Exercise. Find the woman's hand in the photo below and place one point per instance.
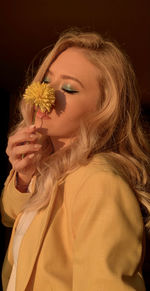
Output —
(22, 151)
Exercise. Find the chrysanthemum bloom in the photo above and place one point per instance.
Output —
(41, 95)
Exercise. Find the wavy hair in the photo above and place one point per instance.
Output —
(114, 130)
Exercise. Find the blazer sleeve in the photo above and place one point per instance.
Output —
(12, 201)
(108, 232)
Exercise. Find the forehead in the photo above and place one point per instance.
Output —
(74, 61)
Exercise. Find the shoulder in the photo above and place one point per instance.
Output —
(97, 176)
(99, 184)
(97, 166)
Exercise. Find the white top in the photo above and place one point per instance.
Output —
(22, 227)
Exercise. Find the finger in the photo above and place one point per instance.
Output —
(21, 164)
(31, 128)
(22, 151)
(20, 138)
(25, 149)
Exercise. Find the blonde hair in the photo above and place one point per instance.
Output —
(113, 131)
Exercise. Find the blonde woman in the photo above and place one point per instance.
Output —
(75, 195)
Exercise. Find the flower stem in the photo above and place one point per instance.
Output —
(34, 115)
(33, 121)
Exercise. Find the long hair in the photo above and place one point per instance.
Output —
(113, 131)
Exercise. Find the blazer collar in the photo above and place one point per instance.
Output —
(31, 243)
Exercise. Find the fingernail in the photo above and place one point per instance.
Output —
(37, 146)
(31, 156)
(32, 126)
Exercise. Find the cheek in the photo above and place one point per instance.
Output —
(67, 106)
(67, 122)
(79, 106)
(76, 105)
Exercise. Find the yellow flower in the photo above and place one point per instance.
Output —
(40, 94)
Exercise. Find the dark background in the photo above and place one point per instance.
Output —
(28, 26)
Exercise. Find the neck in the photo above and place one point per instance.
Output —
(60, 143)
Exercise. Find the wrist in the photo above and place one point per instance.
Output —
(22, 183)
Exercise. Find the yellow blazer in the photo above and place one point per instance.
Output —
(89, 237)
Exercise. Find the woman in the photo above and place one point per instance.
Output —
(79, 176)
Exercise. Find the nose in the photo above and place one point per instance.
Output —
(60, 103)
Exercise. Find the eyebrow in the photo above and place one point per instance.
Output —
(65, 77)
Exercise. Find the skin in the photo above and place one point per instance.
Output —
(75, 80)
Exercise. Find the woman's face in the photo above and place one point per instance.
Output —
(75, 80)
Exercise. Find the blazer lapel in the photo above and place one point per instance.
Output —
(30, 245)
(10, 247)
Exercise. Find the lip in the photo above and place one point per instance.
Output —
(42, 115)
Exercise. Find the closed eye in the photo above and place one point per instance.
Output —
(70, 91)
(66, 88)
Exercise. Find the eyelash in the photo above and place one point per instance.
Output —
(69, 92)
(65, 90)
